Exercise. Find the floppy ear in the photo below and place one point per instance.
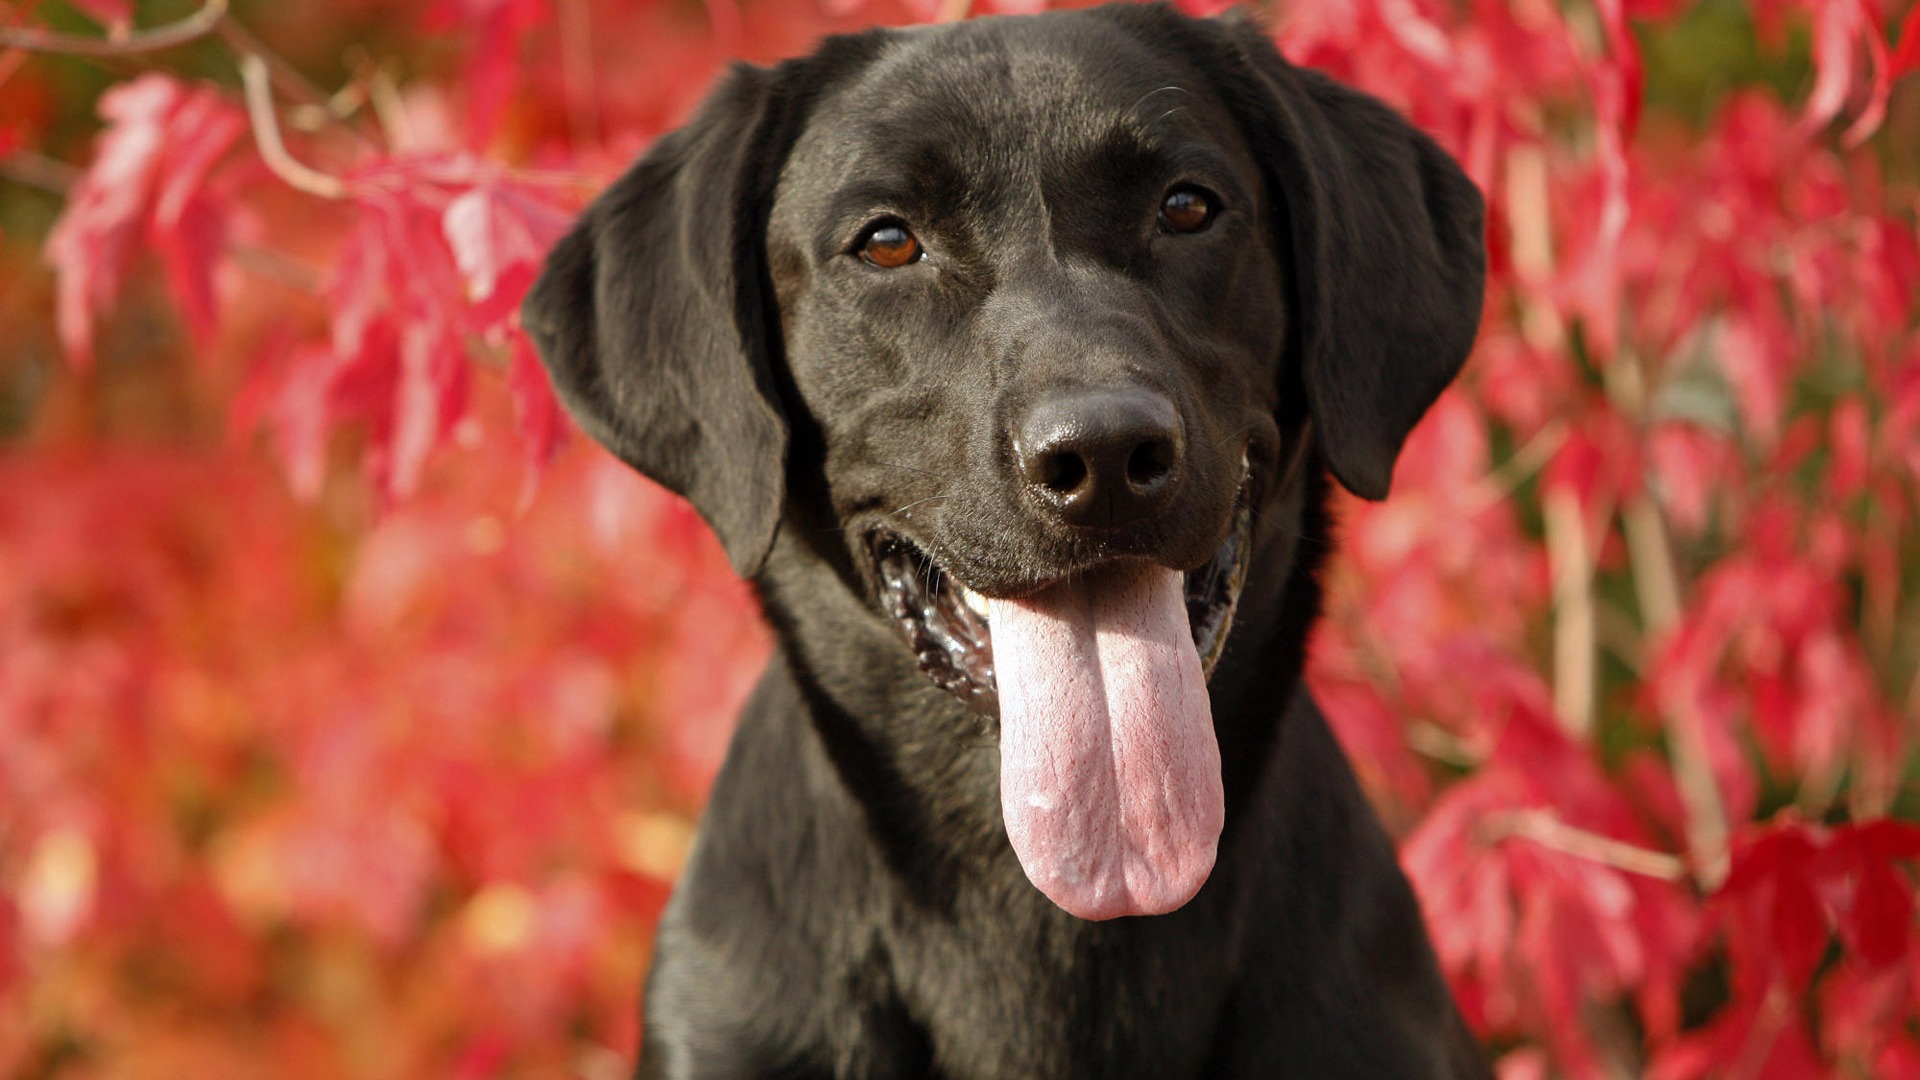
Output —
(1388, 255)
(651, 315)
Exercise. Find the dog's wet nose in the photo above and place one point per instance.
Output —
(1102, 458)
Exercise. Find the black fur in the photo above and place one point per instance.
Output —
(853, 908)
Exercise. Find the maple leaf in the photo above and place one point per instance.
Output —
(491, 72)
(1906, 58)
(537, 412)
(499, 233)
(1711, 305)
(146, 184)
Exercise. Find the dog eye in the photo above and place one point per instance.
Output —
(890, 245)
(1186, 210)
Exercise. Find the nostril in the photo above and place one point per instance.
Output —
(1099, 458)
(1063, 473)
(1150, 462)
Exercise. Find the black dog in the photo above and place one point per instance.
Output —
(1008, 359)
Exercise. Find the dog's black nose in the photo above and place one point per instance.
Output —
(1102, 458)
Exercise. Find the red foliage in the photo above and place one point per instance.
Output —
(310, 774)
(145, 187)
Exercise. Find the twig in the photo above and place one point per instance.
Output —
(266, 135)
(1543, 828)
(277, 267)
(1511, 473)
(1656, 583)
(11, 59)
(57, 178)
(1619, 634)
(1655, 580)
(50, 175)
(286, 77)
(195, 26)
(1436, 742)
(383, 94)
(1574, 631)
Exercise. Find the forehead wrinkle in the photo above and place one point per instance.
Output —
(996, 112)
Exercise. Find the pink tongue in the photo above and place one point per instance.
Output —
(1109, 772)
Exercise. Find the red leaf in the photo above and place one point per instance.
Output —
(492, 66)
(536, 412)
(1907, 57)
(398, 312)
(1840, 29)
(1880, 921)
(144, 184)
(92, 243)
(499, 234)
(431, 396)
(1871, 898)
(1901, 1059)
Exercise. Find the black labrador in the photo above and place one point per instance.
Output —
(1008, 359)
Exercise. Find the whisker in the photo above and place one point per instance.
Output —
(902, 510)
(1161, 90)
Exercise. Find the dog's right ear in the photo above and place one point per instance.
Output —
(651, 315)
(1385, 241)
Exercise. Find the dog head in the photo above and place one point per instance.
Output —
(1055, 301)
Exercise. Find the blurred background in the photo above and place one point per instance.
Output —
(355, 715)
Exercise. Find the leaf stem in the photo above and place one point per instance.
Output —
(1501, 481)
(266, 135)
(1543, 828)
(286, 77)
(39, 171)
(1571, 563)
(1656, 583)
(191, 28)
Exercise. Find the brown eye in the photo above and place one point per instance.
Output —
(1186, 210)
(890, 246)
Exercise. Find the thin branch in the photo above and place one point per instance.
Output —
(1431, 740)
(383, 95)
(1571, 563)
(286, 78)
(195, 26)
(1511, 473)
(1548, 831)
(39, 171)
(1656, 583)
(57, 178)
(277, 267)
(11, 59)
(552, 178)
(266, 135)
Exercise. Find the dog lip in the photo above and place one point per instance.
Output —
(947, 625)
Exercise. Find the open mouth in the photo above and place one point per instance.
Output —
(948, 628)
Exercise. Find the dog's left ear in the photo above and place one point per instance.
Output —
(1388, 254)
(652, 315)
